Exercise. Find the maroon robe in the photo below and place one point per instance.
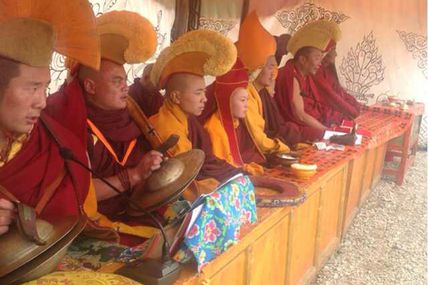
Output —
(329, 86)
(39, 163)
(247, 148)
(149, 100)
(275, 126)
(213, 167)
(314, 104)
(68, 106)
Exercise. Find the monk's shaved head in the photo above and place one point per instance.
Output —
(181, 82)
(8, 70)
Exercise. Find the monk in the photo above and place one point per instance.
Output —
(327, 82)
(256, 48)
(298, 98)
(185, 99)
(118, 150)
(32, 168)
(231, 138)
(145, 94)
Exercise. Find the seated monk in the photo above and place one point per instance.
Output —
(298, 98)
(32, 169)
(117, 148)
(231, 139)
(180, 70)
(257, 49)
(328, 84)
(145, 94)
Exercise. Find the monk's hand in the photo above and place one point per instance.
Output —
(7, 215)
(148, 163)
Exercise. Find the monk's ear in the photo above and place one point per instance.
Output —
(175, 97)
(89, 86)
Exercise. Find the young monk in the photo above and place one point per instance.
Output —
(117, 148)
(327, 82)
(298, 98)
(145, 94)
(256, 48)
(31, 166)
(180, 70)
(232, 141)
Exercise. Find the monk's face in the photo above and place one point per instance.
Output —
(108, 88)
(239, 103)
(23, 99)
(190, 93)
(268, 73)
(311, 61)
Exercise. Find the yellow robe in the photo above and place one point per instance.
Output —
(172, 120)
(220, 142)
(256, 124)
(109, 229)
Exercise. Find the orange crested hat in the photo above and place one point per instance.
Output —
(200, 52)
(33, 29)
(320, 34)
(255, 43)
(126, 37)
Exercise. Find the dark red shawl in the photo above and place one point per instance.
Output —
(39, 163)
(149, 100)
(275, 126)
(328, 84)
(314, 104)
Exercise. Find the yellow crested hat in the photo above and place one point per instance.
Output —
(318, 34)
(200, 52)
(255, 44)
(32, 29)
(126, 37)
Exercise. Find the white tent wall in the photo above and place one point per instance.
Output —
(383, 50)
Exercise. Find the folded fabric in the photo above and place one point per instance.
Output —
(218, 225)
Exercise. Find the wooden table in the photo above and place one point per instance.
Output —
(404, 147)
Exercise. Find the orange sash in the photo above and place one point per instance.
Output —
(103, 139)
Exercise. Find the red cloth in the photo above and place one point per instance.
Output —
(67, 106)
(328, 85)
(39, 163)
(213, 167)
(149, 100)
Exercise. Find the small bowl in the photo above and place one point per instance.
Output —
(284, 159)
(303, 171)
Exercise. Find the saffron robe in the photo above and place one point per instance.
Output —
(328, 84)
(250, 155)
(39, 163)
(172, 120)
(256, 124)
(314, 105)
(148, 100)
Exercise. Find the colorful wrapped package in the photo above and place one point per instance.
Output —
(219, 222)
